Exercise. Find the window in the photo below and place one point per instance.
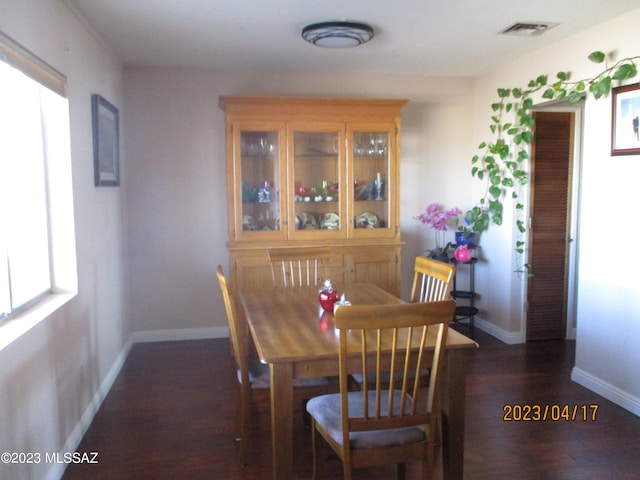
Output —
(35, 186)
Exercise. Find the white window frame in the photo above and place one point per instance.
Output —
(59, 197)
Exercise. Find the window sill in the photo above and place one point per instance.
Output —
(18, 325)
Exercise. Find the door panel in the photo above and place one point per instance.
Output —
(552, 151)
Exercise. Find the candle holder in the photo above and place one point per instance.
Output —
(377, 189)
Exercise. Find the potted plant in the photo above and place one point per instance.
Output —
(436, 217)
(465, 234)
(501, 162)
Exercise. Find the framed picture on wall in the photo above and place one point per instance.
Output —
(625, 124)
(106, 142)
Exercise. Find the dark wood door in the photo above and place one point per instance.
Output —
(552, 153)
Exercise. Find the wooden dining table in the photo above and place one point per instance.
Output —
(297, 339)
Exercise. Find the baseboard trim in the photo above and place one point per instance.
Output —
(75, 437)
(605, 389)
(180, 334)
(509, 338)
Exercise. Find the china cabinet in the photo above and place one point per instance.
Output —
(314, 171)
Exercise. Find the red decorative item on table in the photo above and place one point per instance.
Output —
(328, 296)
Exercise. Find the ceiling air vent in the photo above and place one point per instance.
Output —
(528, 29)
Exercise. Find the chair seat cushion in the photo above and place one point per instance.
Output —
(260, 380)
(326, 411)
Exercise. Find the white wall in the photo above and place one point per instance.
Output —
(50, 376)
(608, 305)
(176, 191)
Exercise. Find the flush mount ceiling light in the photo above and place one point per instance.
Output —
(337, 34)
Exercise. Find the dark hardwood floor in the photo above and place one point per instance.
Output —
(171, 415)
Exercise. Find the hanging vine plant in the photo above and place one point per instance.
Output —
(501, 163)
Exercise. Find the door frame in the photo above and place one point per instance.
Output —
(574, 212)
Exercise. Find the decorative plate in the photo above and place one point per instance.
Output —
(249, 223)
(330, 221)
(298, 222)
(367, 220)
(309, 222)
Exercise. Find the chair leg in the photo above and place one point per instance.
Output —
(317, 444)
(245, 425)
(402, 471)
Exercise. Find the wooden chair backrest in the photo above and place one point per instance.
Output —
(432, 280)
(296, 267)
(398, 332)
(237, 328)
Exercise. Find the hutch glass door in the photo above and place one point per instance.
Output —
(374, 181)
(260, 181)
(318, 210)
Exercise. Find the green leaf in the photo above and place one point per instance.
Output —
(527, 136)
(495, 179)
(520, 225)
(503, 92)
(562, 76)
(522, 155)
(480, 174)
(541, 80)
(574, 97)
(495, 207)
(509, 107)
(507, 182)
(519, 206)
(597, 57)
(497, 219)
(601, 88)
(475, 159)
(493, 128)
(561, 93)
(482, 223)
(527, 121)
(517, 93)
(482, 145)
(627, 70)
(495, 107)
(495, 191)
(474, 170)
(527, 103)
(548, 93)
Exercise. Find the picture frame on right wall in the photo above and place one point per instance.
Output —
(625, 120)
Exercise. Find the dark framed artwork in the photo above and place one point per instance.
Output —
(106, 142)
(625, 121)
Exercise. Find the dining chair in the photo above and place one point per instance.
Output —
(253, 375)
(432, 280)
(299, 266)
(383, 424)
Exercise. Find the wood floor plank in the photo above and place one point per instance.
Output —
(171, 415)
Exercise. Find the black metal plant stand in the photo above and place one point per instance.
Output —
(469, 311)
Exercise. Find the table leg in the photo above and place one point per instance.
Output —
(282, 420)
(452, 405)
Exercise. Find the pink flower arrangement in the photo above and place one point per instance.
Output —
(438, 218)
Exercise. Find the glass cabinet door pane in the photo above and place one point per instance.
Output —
(316, 178)
(371, 175)
(260, 178)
